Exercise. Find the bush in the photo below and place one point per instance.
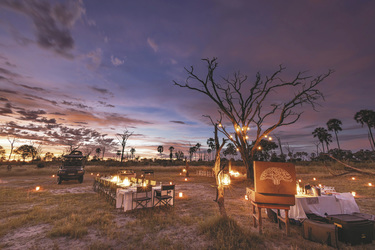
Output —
(40, 165)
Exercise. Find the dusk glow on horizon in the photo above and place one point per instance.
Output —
(80, 72)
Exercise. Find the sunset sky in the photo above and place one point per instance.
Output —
(88, 69)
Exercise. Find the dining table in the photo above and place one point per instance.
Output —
(336, 203)
(124, 197)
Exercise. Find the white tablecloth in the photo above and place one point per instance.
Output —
(343, 203)
(124, 197)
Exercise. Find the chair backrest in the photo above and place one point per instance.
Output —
(167, 187)
(144, 189)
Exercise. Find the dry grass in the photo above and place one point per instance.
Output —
(72, 216)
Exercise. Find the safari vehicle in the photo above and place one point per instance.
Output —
(72, 167)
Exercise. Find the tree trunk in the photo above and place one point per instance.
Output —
(220, 201)
(247, 160)
(371, 136)
(337, 139)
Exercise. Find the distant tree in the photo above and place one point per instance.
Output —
(179, 155)
(118, 153)
(97, 151)
(11, 141)
(171, 148)
(25, 151)
(132, 151)
(123, 138)
(246, 105)
(367, 117)
(48, 156)
(264, 149)
(230, 150)
(335, 125)
(198, 148)
(323, 136)
(209, 150)
(192, 150)
(160, 150)
(211, 144)
(2, 153)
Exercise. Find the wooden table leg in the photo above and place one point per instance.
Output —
(254, 216)
(287, 222)
(260, 219)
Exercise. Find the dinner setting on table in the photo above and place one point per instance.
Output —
(127, 192)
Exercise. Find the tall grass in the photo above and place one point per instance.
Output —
(227, 234)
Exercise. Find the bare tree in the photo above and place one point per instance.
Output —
(123, 138)
(246, 105)
(11, 141)
(219, 174)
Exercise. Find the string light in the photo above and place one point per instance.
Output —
(270, 138)
(260, 148)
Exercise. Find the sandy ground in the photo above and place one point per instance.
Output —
(34, 237)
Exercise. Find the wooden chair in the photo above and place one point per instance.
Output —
(164, 196)
(141, 197)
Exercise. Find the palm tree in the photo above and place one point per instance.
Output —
(160, 149)
(323, 136)
(367, 117)
(198, 147)
(171, 148)
(335, 125)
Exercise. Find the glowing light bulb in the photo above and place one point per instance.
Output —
(270, 138)
(353, 178)
(180, 194)
(354, 193)
(299, 180)
(370, 184)
(37, 188)
(314, 179)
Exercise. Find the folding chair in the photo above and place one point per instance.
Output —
(164, 196)
(141, 197)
